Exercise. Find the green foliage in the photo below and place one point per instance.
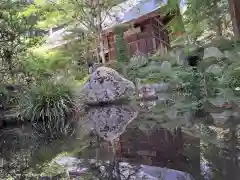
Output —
(40, 65)
(15, 36)
(45, 64)
(224, 44)
(121, 46)
(3, 90)
(118, 66)
(206, 16)
(202, 20)
(176, 24)
(192, 90)
(83, 15)
(50, 102)
(150, 70)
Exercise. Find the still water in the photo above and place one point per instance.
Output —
(144, 140)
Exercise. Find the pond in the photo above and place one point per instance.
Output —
(124, 142)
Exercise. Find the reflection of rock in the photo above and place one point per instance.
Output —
(153, 173)
(76, 168)
(107, 85)
(111, 121)
(141, 172)
(212, 52)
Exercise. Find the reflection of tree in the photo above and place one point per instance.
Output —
(191, 161)
(223, 161)
(26, 155)
(16, 151)
(230, 154)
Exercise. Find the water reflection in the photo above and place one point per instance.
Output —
(108, 139)
(111, 121)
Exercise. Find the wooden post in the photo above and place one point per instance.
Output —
(146, 47)
(153, 37)
(137, 43)
(154, 43)
(161, 48)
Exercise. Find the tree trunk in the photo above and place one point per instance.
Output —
(97, 150)
(219, 28)
(233, 155)
(115, 161)
(101, 47)
(99, 29)
(234, 9)
(179, 14)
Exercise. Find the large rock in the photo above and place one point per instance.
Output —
(212, 52)
(106, 85)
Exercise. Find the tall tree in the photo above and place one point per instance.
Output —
(206, 16)
(88, 14)
(234, 9)
(15, 33)
(176, 24)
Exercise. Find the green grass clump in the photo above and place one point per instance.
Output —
(49, 102)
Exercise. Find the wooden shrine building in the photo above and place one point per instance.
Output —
(146, 34)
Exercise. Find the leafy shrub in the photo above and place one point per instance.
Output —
(231, 80)
(160, 58)
(137, 63)
(3, 90)
(8, 95)
(138, 60)
(217, 73)
(224, 44)
(44, 65)
(50, 102)
(122, 55)
(149, 70)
